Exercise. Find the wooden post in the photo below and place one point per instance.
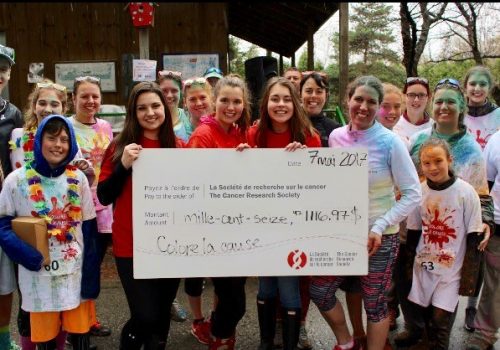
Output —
(268, 53)
(293, 61)
(343, 50)
(144, 43)
(310, 47)
(281, 65)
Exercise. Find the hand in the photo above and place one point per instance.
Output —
(482, 245)
(292, 146)
(130, 154)
(242, 146)
(374, 242)
(81, 164)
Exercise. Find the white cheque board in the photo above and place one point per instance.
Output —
(260, 212)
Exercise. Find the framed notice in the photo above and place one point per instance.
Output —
(67, 72)
(190, 65)
(260, 212)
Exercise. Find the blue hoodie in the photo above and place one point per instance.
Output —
(39, 163)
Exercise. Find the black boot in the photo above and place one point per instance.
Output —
(440, 326)
(291, 328)
(80, 341)
(48, 345)
(130, 338)
(266, 310)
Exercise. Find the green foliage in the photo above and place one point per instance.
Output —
(302, 64)
(371, 35)
(434, 72)
(237, 56)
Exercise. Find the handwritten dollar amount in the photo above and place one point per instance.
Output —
(350, 215)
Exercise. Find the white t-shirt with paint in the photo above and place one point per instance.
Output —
(56, 288)
(492, 158)
(483, 127)
(445, 218)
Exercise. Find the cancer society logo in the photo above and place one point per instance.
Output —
(297, 259)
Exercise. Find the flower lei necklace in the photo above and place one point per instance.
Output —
(27, 142)
(40, 204)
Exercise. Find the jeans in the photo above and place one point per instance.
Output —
(287, 286)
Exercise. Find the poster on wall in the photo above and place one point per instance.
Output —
(190, 65)
(67, 72)
(35, 73)
(144, 70)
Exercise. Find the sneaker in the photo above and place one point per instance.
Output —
(475, 343)
(355, 346)
(278, 335)
(304, 342)
(222, 344)
(177, 312)
(14, 346)
(393, 314)
(98, 330)
(200, 329)
(407, 338)
(470, 314)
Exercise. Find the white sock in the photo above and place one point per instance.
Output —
(347, 345)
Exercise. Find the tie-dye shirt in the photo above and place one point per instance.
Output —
(93, 141)
(468, 162)
(389, 165)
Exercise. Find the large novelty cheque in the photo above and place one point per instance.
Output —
(260, 212)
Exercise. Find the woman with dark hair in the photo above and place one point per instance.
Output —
(314, 93)
(147, 125)
(390, 167)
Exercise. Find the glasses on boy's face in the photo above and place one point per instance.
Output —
(56, 86)
(412, 95)
(450, 82)
(88, 78)
(169, 73)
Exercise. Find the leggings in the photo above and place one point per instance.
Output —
(374, 285)
(149, 301)
(193, 286)
(231, 306)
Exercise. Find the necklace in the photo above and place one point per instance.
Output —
(61, 222)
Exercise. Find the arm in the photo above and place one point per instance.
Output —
(406, 179)
(112, 179)
(16, 249)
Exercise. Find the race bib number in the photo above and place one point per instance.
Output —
(435, 261)
(64, 259)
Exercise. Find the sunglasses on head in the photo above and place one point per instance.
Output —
(310, 72)
(449, 82)
(89, 78)
(170, 73)
(59, 87)
(416, 80)
(213, 70)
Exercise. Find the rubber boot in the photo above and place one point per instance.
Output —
(79, 341)
(291, 328)
(48, 345)
(153, 342)
(266, 311)
(440, 326)
(129, 338)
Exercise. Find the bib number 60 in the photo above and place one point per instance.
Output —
(54, 266)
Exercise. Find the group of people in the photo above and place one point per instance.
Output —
(434, 207)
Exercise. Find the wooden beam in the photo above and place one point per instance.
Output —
(310, 46)
(343, 50)
(293, 61)
(143, 43)
(281, 66)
